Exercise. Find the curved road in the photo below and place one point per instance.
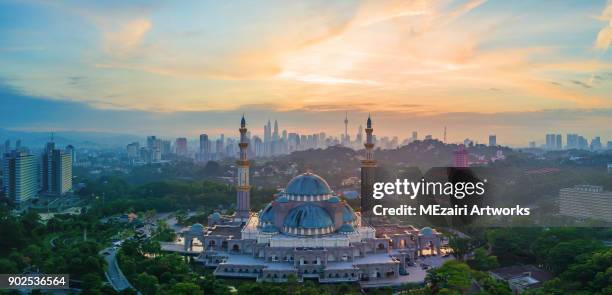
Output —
(114, 275)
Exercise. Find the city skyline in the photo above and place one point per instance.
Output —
(159, 68)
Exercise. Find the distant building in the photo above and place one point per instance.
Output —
(460, 157)
(559, 142)
(586, 201)
(554, 142)
(204, 154)
(521, 278)
(492, 140)
(532, 144)
(181, 146)
(70, 149)
(428, 137)
(596, 144)
(20, 176)
(609, 145)
(56, 171)
(132, 150)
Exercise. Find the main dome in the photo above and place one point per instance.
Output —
(308, 184)
(308, 219)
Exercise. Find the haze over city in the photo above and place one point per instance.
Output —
(517, 70)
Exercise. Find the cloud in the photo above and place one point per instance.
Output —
(580, 83)
(604, 37)
(126, 38)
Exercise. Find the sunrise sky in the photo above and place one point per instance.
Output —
(518, 69)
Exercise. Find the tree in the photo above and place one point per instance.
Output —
(482, 261)
(460, 246)
(454, 276)
(185, 289)
(146, 283)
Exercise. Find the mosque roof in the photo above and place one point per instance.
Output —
(308, 216)
(308, 184)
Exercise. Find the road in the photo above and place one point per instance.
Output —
(113, 274)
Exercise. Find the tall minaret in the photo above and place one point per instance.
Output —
(368, 174)
(243, 198)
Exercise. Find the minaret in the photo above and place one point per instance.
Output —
(368, 174)
(243, 197)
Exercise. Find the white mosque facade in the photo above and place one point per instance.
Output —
(308, 232)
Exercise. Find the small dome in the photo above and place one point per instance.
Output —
(282, 199)
(308, 184)
(346, 228)
(348, 214)
(267, 214)
(426, 231)
(215, 216)
(196, 228)
(333, 199)
(308, 216)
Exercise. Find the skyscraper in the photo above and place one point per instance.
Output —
(559, 142)
(492, 140)
(415, 136)
(56, 171)
(132, 150)
(204, 154)
(181, 146)
(20, 176)
(151, 142)
(243, 198)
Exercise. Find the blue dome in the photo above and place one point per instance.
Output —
(346, 228)
(282, 199)
(308, 184)
(308, 216)
(426, 231)
(347, 214)
(269, 228)
(267, 214)
(215, 216)
(197, 228)
(333, 199)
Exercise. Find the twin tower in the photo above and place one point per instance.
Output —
(243, 199)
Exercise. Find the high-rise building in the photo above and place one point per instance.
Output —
(559, 142)
(132, 150)
(204, 148)
(220, 147)
(415, 136)
(56, 171)
(461, 157)
(20, 176)
(596, 144)
(151, 142)
(70, 149)
(181, 146)
(609, 145)
(492, 140)
(554, 141)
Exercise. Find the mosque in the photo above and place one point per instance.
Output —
(307, 232)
